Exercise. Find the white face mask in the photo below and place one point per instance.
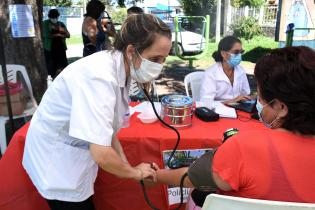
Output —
(147, 71)
(54, 20)
(259, 108)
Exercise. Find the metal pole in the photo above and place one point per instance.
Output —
(168, 12)
(191, 65)
(228, 21)
(289, 39)
(218, 22)
(290, 34)
(6, 87)
(277, 34)
(84, 6)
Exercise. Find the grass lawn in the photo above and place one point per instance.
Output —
(254, 49)
(74, 39)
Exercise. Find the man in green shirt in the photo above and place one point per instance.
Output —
(54, 34)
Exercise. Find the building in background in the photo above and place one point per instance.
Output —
(71, 16)
(302, 14)
(164, 9)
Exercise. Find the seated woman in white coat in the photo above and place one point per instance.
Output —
(226, 80)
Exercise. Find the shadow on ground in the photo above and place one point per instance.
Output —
(171, 81)
(254, 54)
(73, 59)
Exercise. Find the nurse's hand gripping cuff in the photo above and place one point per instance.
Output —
(200, 172)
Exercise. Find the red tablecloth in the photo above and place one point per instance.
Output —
(141, 142)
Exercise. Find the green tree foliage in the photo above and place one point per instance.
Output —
(107, 2)
(250, 3)
(119, 15)
(58, 3)
(197, 7)
(247, 28)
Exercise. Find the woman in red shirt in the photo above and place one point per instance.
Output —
(276, 163)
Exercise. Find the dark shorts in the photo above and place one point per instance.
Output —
(64, 205)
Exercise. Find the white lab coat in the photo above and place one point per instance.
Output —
(84, 104)
(216, 86)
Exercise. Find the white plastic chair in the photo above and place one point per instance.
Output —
(194, 80)
(222, 202)
(12, 72)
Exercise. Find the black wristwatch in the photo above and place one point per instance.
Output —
(228, 133)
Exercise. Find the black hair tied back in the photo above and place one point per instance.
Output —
(217, 56)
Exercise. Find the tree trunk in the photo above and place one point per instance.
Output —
(25, 51)
(227, 17)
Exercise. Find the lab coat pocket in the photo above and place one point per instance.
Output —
(68, 167)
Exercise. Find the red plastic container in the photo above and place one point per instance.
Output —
(18, 102)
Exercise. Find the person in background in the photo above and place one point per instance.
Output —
(226, 80)
(134, 10)
(276, 163)
(74, 129)
(54, 36)
(96, 28)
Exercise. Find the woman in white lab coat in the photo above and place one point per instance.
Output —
(73, 131)
(226, 80)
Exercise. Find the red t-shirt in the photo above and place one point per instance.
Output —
(269, 165)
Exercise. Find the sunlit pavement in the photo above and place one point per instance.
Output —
(74, 51)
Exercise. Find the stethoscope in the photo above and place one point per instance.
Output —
(227, 134)
(169, 159)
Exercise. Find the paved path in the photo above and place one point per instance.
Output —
(74, 51)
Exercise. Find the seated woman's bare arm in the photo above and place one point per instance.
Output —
(173, 176)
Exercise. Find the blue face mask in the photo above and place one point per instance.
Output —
(235, 59)
(260, 108)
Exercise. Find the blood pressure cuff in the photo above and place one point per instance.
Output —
(200, 172)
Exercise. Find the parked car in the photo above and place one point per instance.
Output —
(190, 43)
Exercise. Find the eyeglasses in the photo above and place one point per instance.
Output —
(235, 52)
